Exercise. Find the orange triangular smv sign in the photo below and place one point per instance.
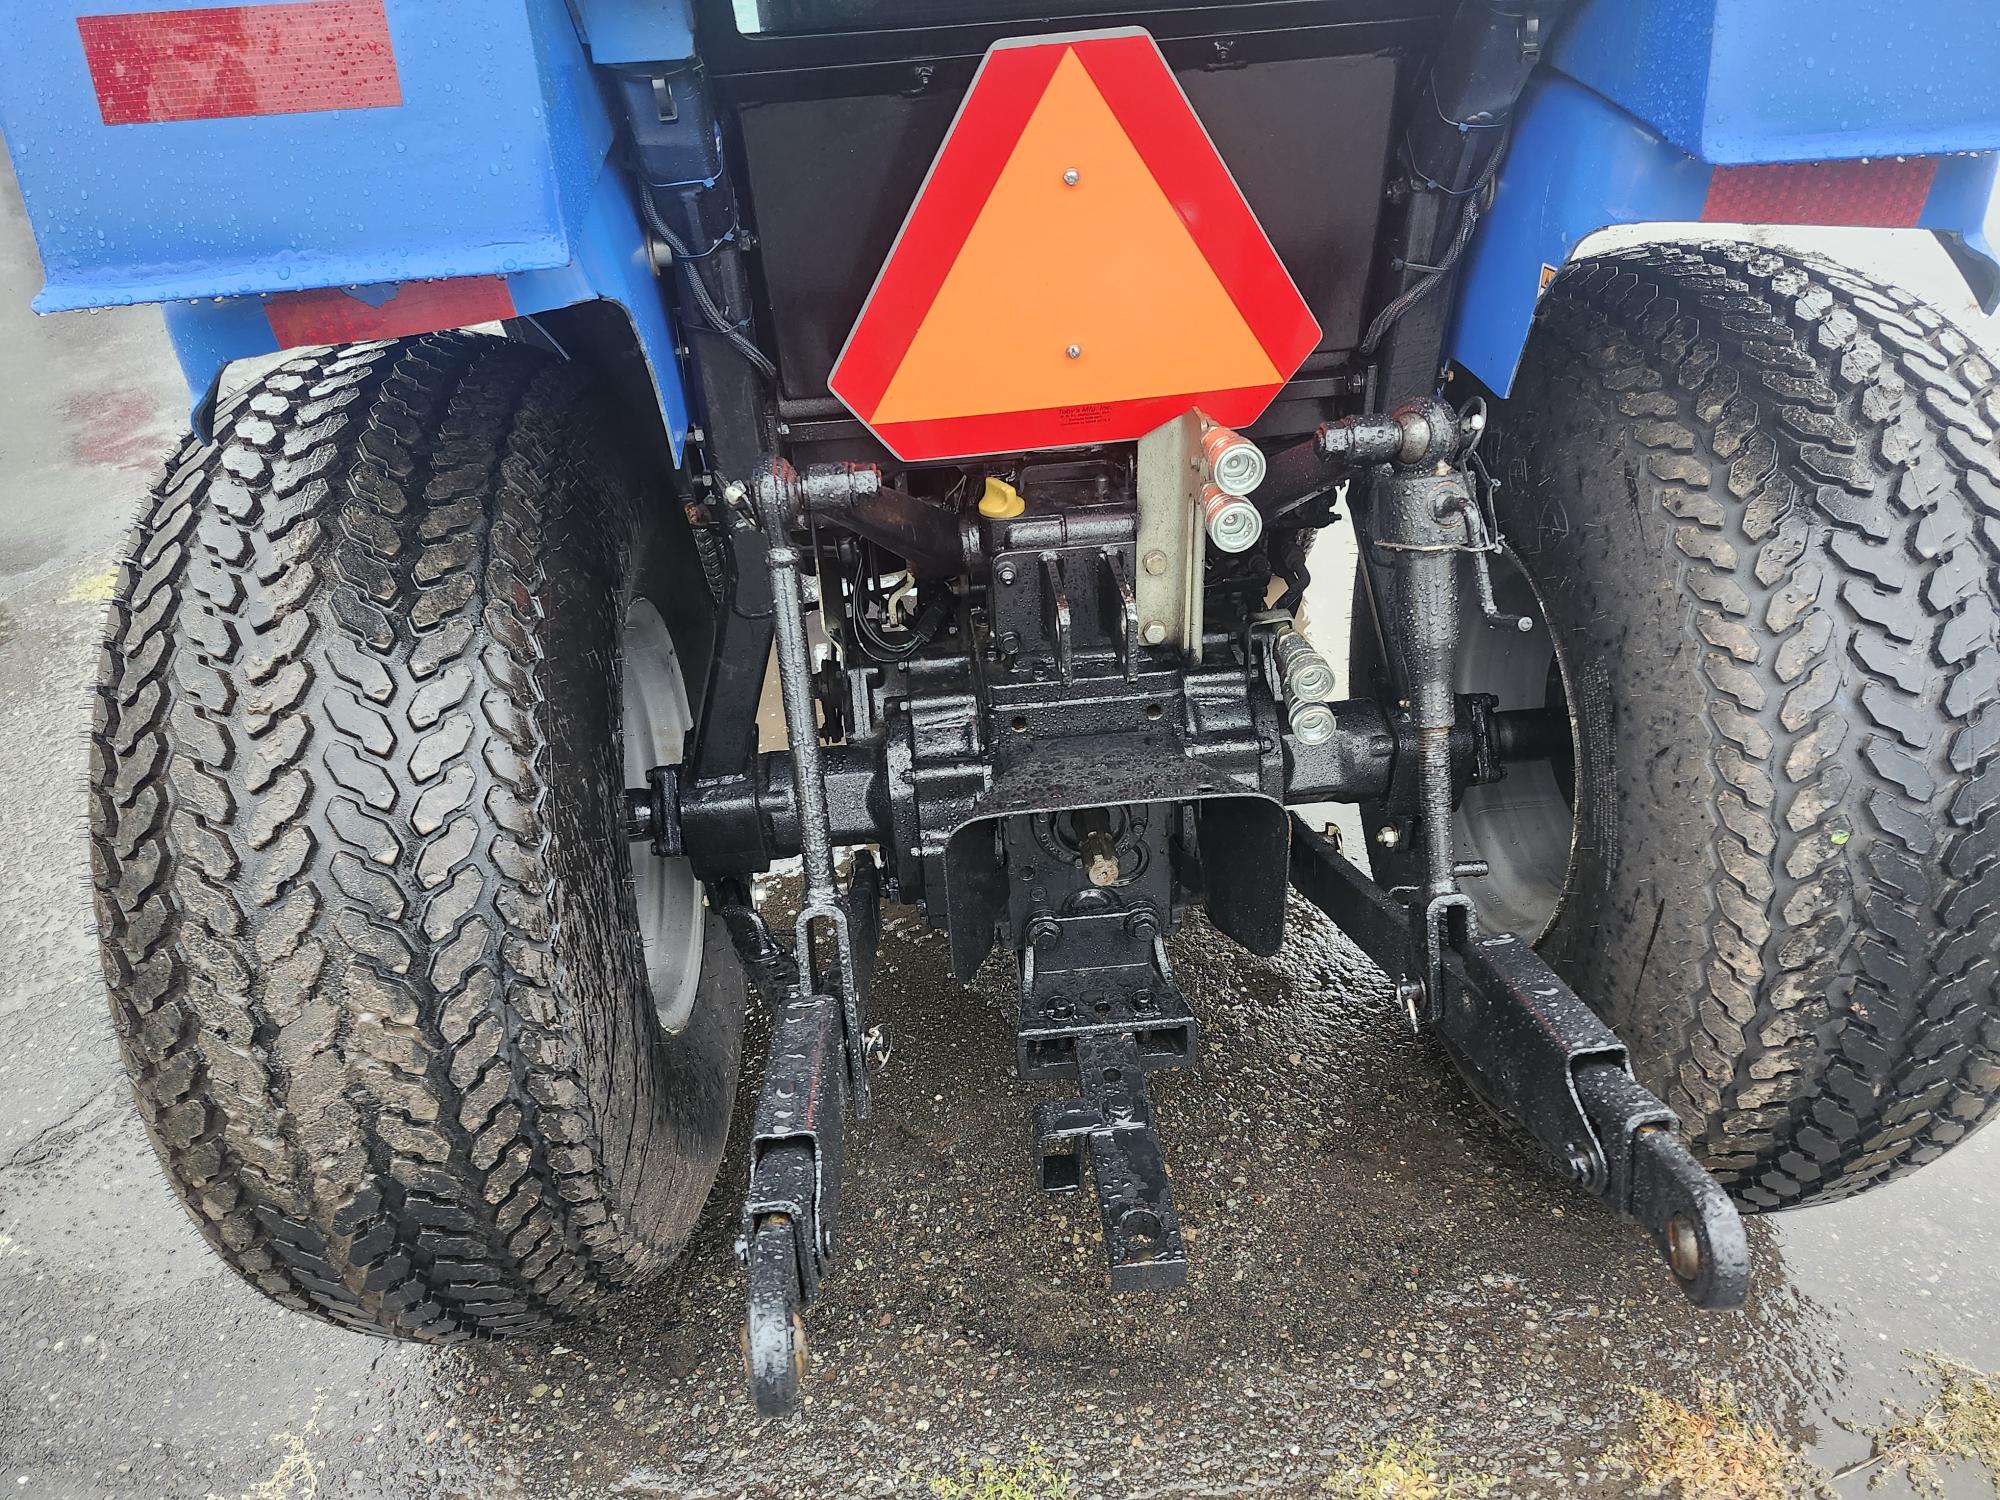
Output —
(1078, 268)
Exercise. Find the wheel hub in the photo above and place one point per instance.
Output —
(667, 895)
(1521, 826)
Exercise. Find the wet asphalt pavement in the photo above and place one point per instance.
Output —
(1370, 1252)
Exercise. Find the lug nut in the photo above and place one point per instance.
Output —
(1142, 922)
(1234, 524)
(1313, 723)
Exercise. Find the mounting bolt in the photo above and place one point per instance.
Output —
(1005, 572)
(1072, 177)
(638, 813)
(1388, 837)
(1142, 922)
(1156, 562)
(1155, 633)
(1042, 928)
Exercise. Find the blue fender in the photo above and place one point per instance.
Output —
(609, 261)
(1579, 163)
(485, 180)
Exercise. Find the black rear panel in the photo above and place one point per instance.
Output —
(835, 109)
(744, 37)
(831, 180)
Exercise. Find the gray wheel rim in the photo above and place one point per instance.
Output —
(1521, 825)
(667, 895)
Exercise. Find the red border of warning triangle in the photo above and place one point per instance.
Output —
(1132, 75)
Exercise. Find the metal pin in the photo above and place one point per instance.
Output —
(1072, 177)
(1074, 351)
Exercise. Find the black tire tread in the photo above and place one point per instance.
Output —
(1821, 453)
(320, 831)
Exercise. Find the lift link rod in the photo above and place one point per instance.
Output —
(819, 1053)
(779, 495)
(1539, 1056)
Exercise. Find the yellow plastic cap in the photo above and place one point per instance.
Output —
(1001, 502)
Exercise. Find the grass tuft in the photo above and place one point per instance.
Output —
(1958, 1422)
(1713, 1451)
(1034, 1478)
(1405, 1469)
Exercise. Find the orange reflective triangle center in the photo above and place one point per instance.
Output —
(1031, 283)
(1079, 268)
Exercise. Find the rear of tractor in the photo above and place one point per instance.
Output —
(993, 380)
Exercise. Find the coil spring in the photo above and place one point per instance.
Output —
(708, 546)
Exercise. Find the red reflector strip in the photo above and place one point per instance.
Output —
(1886, 194)
(1065, 426)
(332, 316)
(153, 66)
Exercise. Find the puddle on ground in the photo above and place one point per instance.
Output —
(1371, 1254)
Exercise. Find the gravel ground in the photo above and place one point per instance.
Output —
(1371, 1253)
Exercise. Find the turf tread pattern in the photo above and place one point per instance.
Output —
(1819, 456)
(354, 952)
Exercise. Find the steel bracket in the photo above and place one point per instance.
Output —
(1113, 1120)
(796, 1150)
(1103, 1006)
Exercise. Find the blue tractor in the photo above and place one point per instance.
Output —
(984, 370)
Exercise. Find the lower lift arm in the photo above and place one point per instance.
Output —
(1538, 1055)
(1524, 1041)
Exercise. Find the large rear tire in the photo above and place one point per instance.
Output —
(1756, 500)
(357, 819)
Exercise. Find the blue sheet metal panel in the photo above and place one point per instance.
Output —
(1965, 203)
(1739, 81)
(485, 167)
(1576, 164)
(637, 31)
(610, 264)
